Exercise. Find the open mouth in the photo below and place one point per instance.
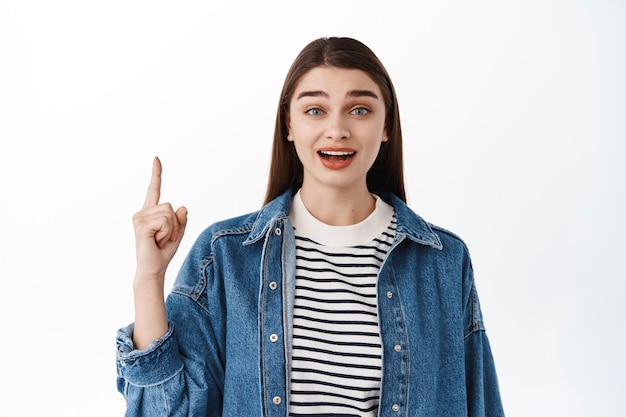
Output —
(336, 155)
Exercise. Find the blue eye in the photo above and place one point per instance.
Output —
(314, 112)
(360, 111)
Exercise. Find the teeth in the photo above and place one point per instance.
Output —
(336, 153)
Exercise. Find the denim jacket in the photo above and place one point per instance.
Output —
(228, 348)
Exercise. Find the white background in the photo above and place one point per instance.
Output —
(514, 123)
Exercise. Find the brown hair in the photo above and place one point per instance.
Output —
(387, 172)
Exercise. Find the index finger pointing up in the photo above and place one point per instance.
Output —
(154, 189)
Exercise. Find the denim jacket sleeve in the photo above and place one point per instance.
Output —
(181, 373)
(483, 395)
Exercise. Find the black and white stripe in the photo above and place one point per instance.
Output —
(337, 351)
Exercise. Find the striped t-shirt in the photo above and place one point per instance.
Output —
(337, 352)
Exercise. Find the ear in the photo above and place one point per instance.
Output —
(288, 123)
(385, 136)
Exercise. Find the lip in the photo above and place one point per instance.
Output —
(336, 158)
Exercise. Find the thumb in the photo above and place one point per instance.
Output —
(181, 215)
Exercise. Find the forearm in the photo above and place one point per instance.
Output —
(150, 316)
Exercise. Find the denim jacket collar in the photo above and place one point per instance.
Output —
(409, 223)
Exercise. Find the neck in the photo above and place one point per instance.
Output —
(338, 207)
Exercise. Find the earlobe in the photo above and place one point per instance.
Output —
(385, 137)
(289, 136)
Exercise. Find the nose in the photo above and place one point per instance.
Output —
(337, 128)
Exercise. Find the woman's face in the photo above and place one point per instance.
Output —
(336, 121)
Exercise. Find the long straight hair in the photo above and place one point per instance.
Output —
(387, 172)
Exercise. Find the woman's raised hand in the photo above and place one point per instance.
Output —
(158, 230)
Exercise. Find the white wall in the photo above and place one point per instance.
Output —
(514, 121)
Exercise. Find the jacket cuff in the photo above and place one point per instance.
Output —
(159, 362)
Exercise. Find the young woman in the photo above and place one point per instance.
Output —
(335, 299)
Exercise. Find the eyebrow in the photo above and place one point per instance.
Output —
(352, 93)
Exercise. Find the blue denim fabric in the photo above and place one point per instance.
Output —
(228, 348)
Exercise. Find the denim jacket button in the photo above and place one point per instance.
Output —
(278, 231)
(273, 285)
(389, 294)
(273, 337)
(277, 400)
(395, 407)
(397, 348)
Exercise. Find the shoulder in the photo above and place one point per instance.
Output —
(221, 242)
(235, 226)
(424, 232)
(247, 228)
(449, 239)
